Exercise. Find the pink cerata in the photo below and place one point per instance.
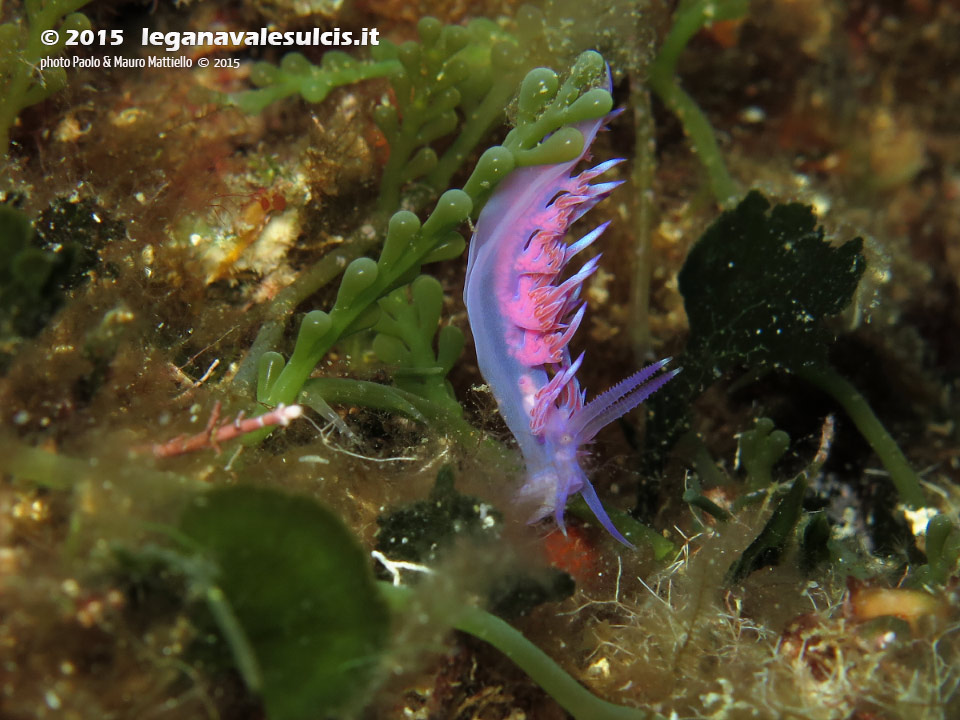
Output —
(523, 317)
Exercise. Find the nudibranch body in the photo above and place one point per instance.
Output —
(523, 316)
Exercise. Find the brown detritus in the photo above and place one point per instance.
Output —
(250, 225)
(863, 603)
(67, 642)
(837, 649)
(808, 640)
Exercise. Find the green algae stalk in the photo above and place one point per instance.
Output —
(688, 20)
(886, 448)
(542, 669)
(642, 214)
(405, 340)
(571, 695)
(317, 276)
(365, 282)
(39, 467)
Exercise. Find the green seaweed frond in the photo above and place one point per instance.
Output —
(21, 48)
(314, 632)
(943, 553)
(297, 75)
(450, 87)
(759, 450)
(768, 546)
(302, 634)
(405, 335)
(364, 283)
(757, 288)
(456, 80)
(454, 83)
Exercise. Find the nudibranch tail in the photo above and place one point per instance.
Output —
(524, 315)
(593, 502)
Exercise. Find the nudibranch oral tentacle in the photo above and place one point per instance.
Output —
(523, 316)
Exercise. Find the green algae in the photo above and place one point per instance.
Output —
(42, 261)
(756, 287)
(294, 597)
(23, 43)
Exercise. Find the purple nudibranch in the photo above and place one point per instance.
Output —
(523, 317)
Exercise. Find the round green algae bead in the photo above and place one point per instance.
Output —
(315, 90)
(295, 64)
(403, 225)
(564, 145)
(423, 161)
(538, 88)
(446, 100)
(314, 326)
(336, 60)
(269, 366)
(452, 208)
(386, 118)
(589, 65)
(359, 275)
(455, 71)
(592, 104)
(75, 21)
(264, 73)
(401, 231)
(495, 164)
(429, 29)
(409, 57)
(455, 37)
